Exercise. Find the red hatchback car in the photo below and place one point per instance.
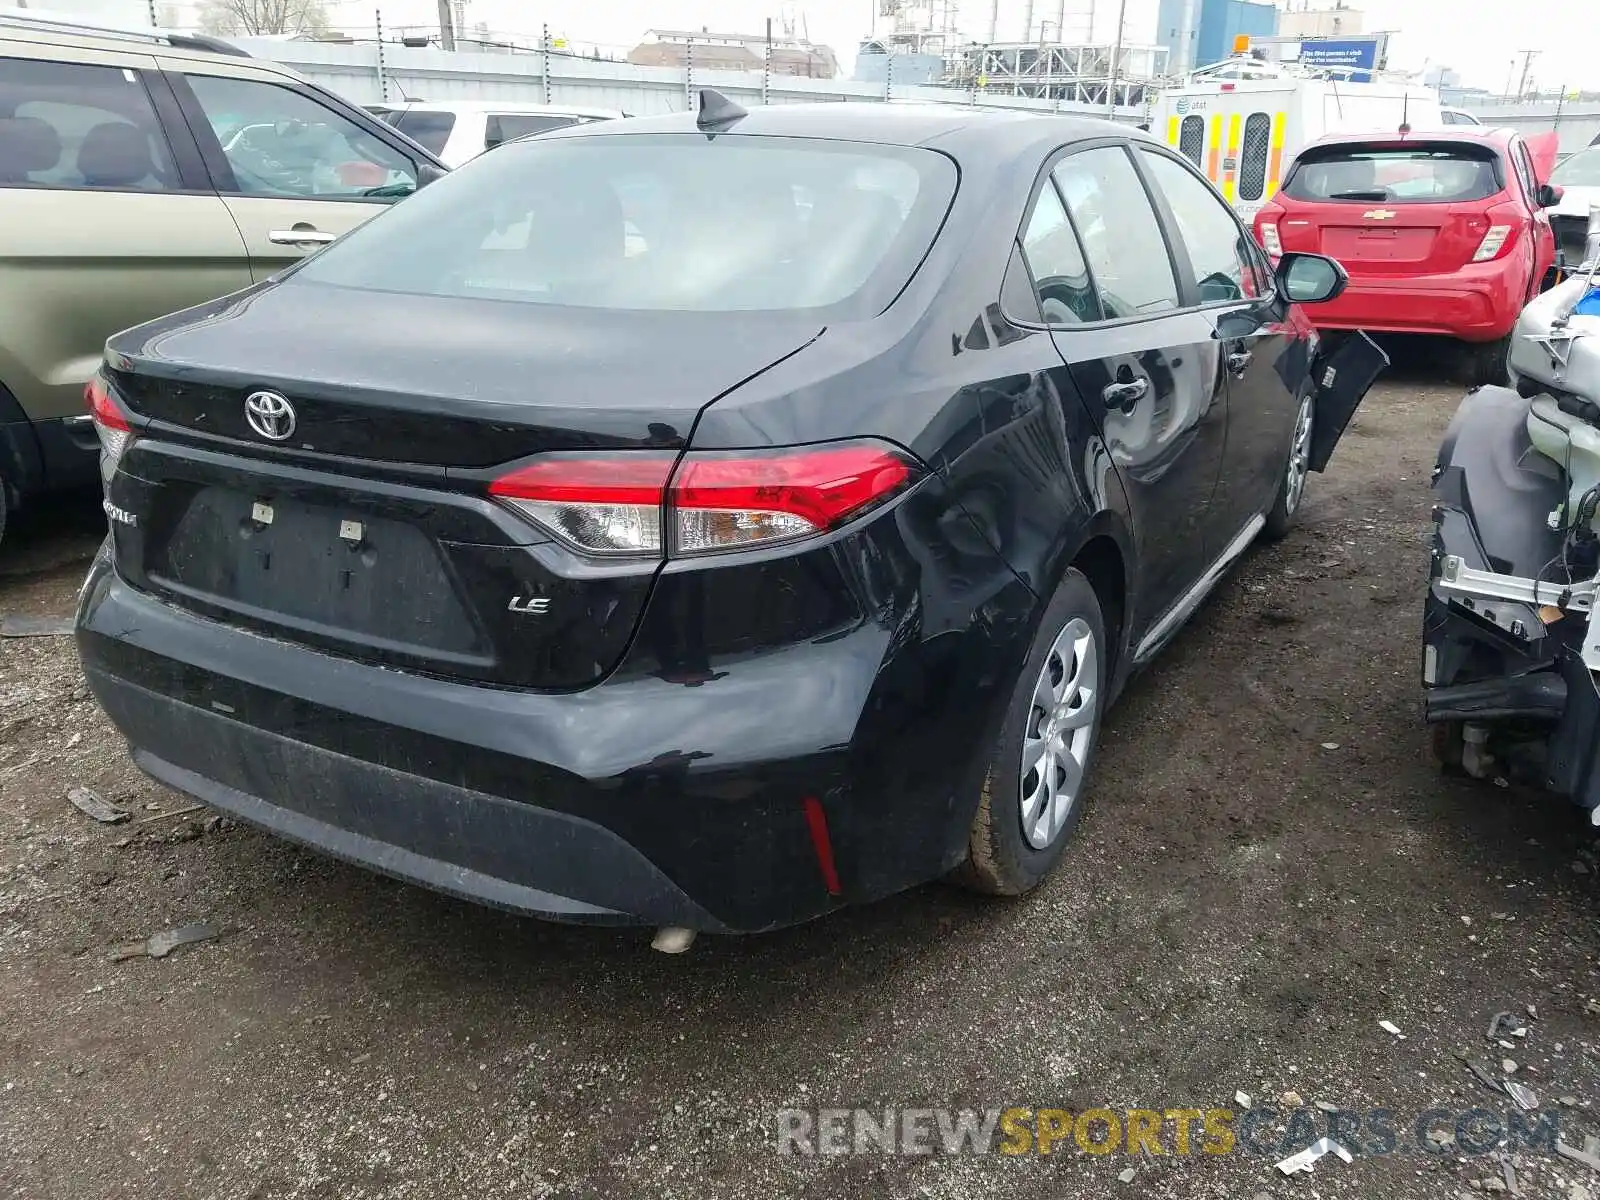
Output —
(1443, 232)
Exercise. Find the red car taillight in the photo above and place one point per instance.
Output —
(110, 422)
(637, 505)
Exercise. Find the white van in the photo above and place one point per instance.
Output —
(460, 130)
(1244, 132)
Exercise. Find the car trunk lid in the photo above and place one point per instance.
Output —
(368, 529)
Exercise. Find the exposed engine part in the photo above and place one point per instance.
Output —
(1475, 759)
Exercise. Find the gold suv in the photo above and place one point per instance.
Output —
(142, 172)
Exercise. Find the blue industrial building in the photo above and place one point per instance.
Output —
(1210, 26)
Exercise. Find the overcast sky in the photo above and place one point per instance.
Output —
(1448, 32)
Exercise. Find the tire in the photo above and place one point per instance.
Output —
(1486, 362)
(1004, 859)
(3, 508)
(1447, 743)
(1292, 479)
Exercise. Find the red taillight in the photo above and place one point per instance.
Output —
(602, 504)
(723, 501)
(634, 504)
(110, 424)
(97, 394)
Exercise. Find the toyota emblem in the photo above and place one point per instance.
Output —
(270, 415)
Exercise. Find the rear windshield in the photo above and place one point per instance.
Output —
(428, 126)
(506, 127)
(659, 222)
(1581, 170)
(1419, 174)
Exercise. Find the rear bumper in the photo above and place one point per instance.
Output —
(652, 798)
(1479, 303)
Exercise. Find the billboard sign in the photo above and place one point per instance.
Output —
(1359, 55)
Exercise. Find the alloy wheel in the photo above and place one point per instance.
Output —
(1294, 484)
(1059, 733)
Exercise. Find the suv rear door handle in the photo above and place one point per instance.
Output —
(1239, 360)
(300, 237)
(1123, 396)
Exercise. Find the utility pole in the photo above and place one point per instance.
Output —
(1116, 53)
(447, 33)
(1527, 60)
(383, 76)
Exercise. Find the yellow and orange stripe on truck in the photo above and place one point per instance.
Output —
(1230, 161)
(1214, 152)
(1275, 158)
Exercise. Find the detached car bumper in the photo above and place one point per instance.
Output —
(763, 795)
(1478, 303)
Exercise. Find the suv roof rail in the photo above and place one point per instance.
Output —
(55, 22)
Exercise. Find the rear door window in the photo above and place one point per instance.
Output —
(1192, 138)
(1055, 261)
(505, 127)
(428, 127)
(1525, 171)
(1121, 236)
(71, 125)
(1420, 173)
(1253, 156)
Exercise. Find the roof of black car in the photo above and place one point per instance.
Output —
(958, 128)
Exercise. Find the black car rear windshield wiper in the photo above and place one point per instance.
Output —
(1371, 194)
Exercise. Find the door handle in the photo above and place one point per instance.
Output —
(300, 237)
(1124, 396)
(1239, 360)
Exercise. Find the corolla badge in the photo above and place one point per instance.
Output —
(270, 415)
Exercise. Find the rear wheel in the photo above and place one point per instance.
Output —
(1033, 783)
(1486, 362)
(1446, 740)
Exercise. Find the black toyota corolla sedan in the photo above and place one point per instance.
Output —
(708, 520)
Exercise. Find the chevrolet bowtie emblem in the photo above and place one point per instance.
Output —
(1378, 214)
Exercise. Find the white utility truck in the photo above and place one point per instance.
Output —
(1242, 121)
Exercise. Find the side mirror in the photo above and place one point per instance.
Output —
(1549, 195)
(1310, 278)
(428, 173)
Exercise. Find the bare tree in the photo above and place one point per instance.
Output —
(253, 18)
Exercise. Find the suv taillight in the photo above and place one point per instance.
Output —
(1493, 242)
(110, 422)
(1501, 220)
(637, 505)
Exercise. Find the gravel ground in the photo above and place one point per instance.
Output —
(1268, 867)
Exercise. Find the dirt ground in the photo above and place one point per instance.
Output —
(1268, 867)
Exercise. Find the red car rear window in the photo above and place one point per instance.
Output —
(1419, 173)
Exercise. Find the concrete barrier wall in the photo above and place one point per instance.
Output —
(1577, 123)
(431, 74)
